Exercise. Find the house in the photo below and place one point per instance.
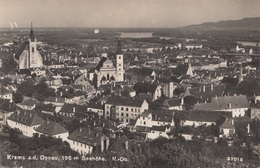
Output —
(155, 91)
(238, 105)
(226, 129)
(142, 75)
(28, 104)
(158, 131)
(5, 93)
(124, 109)
(25, 121)
(53, 129)
(96, 107)
(150, 118)
(69, 110)
(206, 92)
(168, 89)
(85, 140)
(173, 104)
(197, 118)
(46, 108)
(128, 91)
(6, 109)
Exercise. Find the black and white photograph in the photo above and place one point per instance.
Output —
(130, 83)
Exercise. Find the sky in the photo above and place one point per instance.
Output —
(123, 13)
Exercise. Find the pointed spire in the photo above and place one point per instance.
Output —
(119, 47)
(32, 36)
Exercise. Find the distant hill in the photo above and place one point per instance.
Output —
(245, 23)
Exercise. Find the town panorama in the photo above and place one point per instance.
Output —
(131, 97)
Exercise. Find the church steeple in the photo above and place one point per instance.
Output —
(32, 36)
(119, 47)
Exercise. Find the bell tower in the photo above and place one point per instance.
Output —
(119, 62)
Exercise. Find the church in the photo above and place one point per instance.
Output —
(106, 72)
(27, 56)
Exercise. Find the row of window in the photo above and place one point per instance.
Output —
(81, 145)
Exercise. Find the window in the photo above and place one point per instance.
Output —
(126, 109)
(33, 49)
(126, 114)
(122, 108)
(122, 114)
(132, 109)
(144, 123)
(119, 57)
(119, 64)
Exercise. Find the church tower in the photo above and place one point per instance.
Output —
(27, 55)
(120, 62)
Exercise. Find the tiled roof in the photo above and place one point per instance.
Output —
(29, 102)
(181, 69)
(68, 108)
(45, 107)
(208, 92)
(227, 125)
(152, 88)
(4, 91)
(239, 101)
(7, 106)
(23, 46)
(159, 128)
(86, 136)
(207, 116)
(160, 115)
(117, 100)
(95, 105)
(172, 102)
(51, 128)
(29, 118)
(119, 146)
(223, 103)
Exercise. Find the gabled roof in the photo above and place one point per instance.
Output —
(51, 128)
(119, 146)
(86, 136)
(159, 128)
(160, 115)
(46, 107)
(95, 105)
(29, 118)
(7, 106)
(227, 125)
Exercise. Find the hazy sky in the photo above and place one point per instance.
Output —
(123, 13)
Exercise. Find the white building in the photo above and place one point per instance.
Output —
(53, 129)
(84, 140)
(25, 121)
(124, 109)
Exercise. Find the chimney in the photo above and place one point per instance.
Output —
(102, 144)
(248, 128)
(204, 88)
(18, 112)
(56, 99)
(94, 123)
(103, 124)
(229, 105)
(107, 143)
(47, 122)
(96, 134)
(80, 129)
(211, 87)
(182, 101)
(232, 121)
(74, 109)
(89, 130)
(126, 145)
(216, 96)
(61, 94)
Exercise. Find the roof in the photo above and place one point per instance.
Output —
(206, 92)
(7, 106)
(95, 105)
(152, 88)
(160, 115)
(159, 128)
(86, 136)
(172, 102)
(69, 108)
(227, 125)
(46, 107)
(51, 128)
(4, 91)
(29, 118)
(117, 100)
(181, 69)
(29, 102)
(119, 146)
(23, 46)
(207, 116)
(224, 103)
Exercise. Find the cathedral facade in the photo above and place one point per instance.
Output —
(27, 57)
